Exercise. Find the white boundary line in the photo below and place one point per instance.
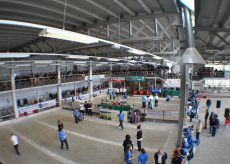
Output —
(43, 149)
(92, 138)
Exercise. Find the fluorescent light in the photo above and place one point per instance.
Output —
(157, 57)
(113, 59)
(18, 23)
(14, 55)
(116, 46)
(77, 57)
(135, 51)
(68, 35)
(79, 62)
(23, 65)
(43, 62)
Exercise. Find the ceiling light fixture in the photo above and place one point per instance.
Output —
(135, 51)
(77, 57)
(68, 35)
(14, 55)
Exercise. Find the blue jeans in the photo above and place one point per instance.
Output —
(121, 124)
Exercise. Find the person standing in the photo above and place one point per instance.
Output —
(86, 108)
(82, 108)
(151, 104)
(139, 137)
(129, 155)
(14, 140)
(208, 103)
(121, 117)
(60, 125)
(156, 100)
(143, 157)
(144, 99)
(90, 108)
(198, 131)
(206, 119)
(177, 158)
(211, 117)
(216, 124)
(160, 157)
(63, 139)
(76, 115)
(127, 142)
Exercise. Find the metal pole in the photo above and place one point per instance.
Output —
(110, 81)
(184, 76)
(130, 30)
(59, 95)
(14, 99)
(155, 81)
(182, 104)
(90, 81)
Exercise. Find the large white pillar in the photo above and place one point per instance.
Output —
(59, 90)
(14, 99)
(90, 81)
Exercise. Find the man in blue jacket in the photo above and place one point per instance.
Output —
(121, 117)
(144, 99)
(63, 139)
(76, 115)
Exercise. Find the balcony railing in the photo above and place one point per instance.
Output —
(5, 86)
(72, 78)
(35, 82)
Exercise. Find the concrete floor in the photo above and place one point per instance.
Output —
(91, 141)
(214, 150)
(100, 141)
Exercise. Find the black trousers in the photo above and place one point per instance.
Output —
(156, 103)
(139, 145)
(76, 119)
(121, 124)
(86, 111)
(143, 104)
(210, 129)
(83, 112)
(66, 144)
(205, 124)
(16, 149)
(90, 112)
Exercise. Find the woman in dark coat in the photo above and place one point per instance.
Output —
(211, 117)
(160, 157)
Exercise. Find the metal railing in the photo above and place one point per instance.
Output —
(34, 82)
(72, 78)
(5, 86)
(6, 113)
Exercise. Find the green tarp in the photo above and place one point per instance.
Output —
(135, 78)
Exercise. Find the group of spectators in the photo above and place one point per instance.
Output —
(191, 133)
(130, 154)
(32, 101)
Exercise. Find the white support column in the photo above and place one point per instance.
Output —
(90, 81)
(110, 81)
(59, 90)
(14, 99)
